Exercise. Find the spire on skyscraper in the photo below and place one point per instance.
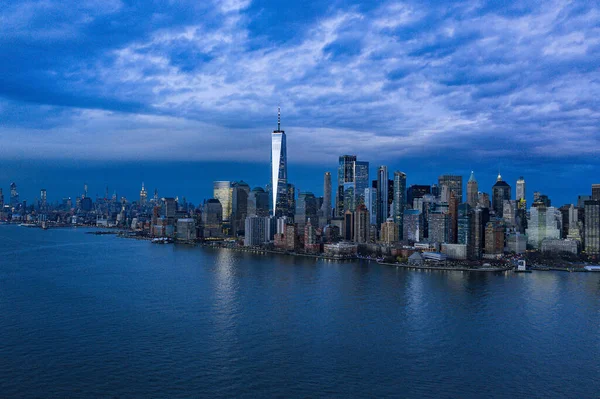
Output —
(472, 178)
(278, 118)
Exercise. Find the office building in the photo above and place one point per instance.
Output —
(452, 183)
(389, 232)
(438, 227)
(472, 191)
(521, 189)
(279, 184)
(413, 225)
(326, 207)
(257, 230)
(371, 204)
(212, 218)
(143, 195)
(223, 192)
(186, 229)
(399, 201)
(353, 179)
(500, 193)
(542, 224)
(14, 196)
(416, 191)
(453, 213)
(383, 200)
(596, 192)
(592, 227)
(494, 238)
(240, 192)
(306, 208)
(258, 202)
(361, 224)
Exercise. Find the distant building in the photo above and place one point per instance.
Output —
(455, 251)
(389, 232)
(399, 201)
(557, 246)
(258, 202)
(212, 218)
(279, 170)
(500, 193)
(344, 249)
(521, 189)
(516, 242)
(326, 207)
(361, 224)
(592, 227)
(306, 208)
(494, 238)
(472, 191)
(257, 230)
(223, 192)
(186, 229)
(438, 227)
(413, 225)
(416, 191)
(542, 224)
(453, 183)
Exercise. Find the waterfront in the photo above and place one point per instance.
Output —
(88, 316)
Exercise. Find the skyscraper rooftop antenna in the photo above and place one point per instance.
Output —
(278, 118)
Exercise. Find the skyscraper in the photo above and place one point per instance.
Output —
(326, 208)
(500, 192)
(520, 189)
(596, 192)
(306, 208)
(143, 195)
(14, 195)
(279, 169)
(399, 201)
(453, 183)
(416, 191)
(592, 227)
(223, 192)
(353, 179)
(382, 195)
(43, 198)
(472, 191)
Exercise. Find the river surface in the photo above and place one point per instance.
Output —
(101, 316)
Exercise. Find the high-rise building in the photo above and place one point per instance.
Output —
(509, 212)
(465, 215)
(453, 213)
(279, 185)
(592, 227)
(494, 238)
(353, 179)
(170, 207)
(143, 195)
(399, 201)
(257, 230)
(239, 206)
(306, 208)
(521, 189)
(452, 183)
(596, 192)
(478, 221)
(258, 202)
(389, 232)
(500, 192)
(345, 181)
(484, 200)
(413, 225)
(472, 191)
(212, 218)
(291, 200)
(14, 196)
(383, 208)
(223, 192)
(1, 199)
(361, 224)
(43, 199)
(543, 223)
(416, 191)
(438, 227)
(371, 204)
(326, 208)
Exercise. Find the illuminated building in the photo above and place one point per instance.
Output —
(472, 191)
(279, 184)
(452, 183)
(399, 201)
(500, 193)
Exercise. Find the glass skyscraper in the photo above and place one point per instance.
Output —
(279, 170)
(353, 180)
(399, 200)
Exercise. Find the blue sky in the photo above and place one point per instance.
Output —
(427, 87)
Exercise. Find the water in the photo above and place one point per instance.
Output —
(100, 316)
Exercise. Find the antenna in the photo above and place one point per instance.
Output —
(278, 118)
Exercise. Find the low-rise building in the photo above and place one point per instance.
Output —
(455, 251)
(553, 245)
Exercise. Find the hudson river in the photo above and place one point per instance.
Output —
(99, 316)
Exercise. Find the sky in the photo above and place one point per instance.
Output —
(178, 94)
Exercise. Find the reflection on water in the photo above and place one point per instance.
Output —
(109, 317)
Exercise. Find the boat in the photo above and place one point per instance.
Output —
(28, 225)
(522, 267)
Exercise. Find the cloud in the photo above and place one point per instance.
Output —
(400, 79)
